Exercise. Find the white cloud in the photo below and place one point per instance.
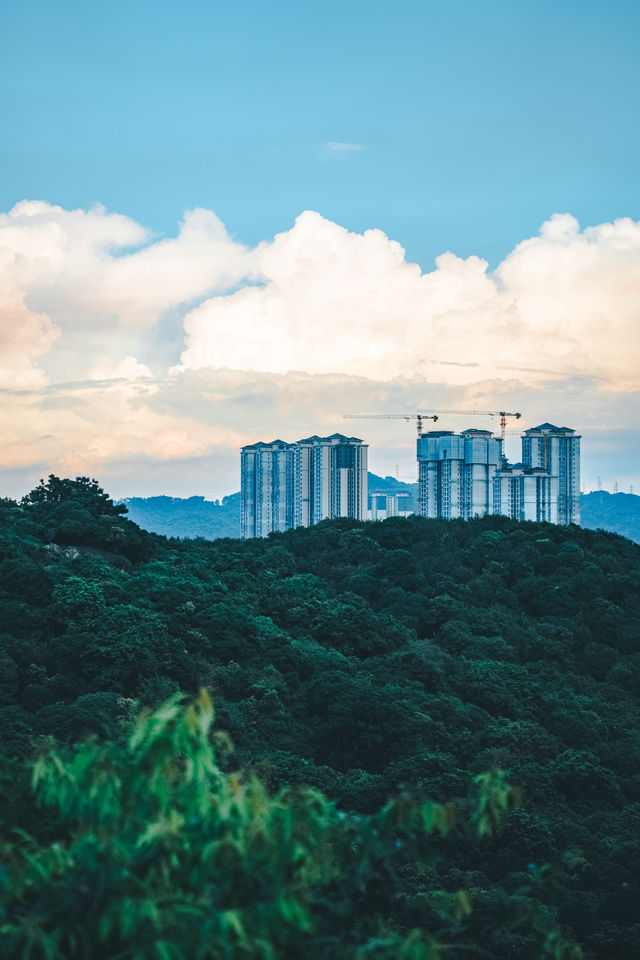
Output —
(578, 297)
(333, 301)
(104, 281)
(109, 264)
(82, 427)
(24, 337)
(283, 338)
(341, 146)
(25, 334)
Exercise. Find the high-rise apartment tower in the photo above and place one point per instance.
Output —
(557, 451)
(525, 493)
(285, 485)
(330, 479)
(267, 478)
(456, 472)
(465, 475)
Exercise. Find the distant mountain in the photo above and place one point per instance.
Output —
(210, 519)
(391, 485)
(615, 512)
(186, 518)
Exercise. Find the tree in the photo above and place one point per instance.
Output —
(79, 513)
(157, 853)
(88, 493)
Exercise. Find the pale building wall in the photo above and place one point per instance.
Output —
(266, 486)
(288, 485)
(557, 450)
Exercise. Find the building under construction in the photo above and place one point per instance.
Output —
(460, 475)
(467, 475)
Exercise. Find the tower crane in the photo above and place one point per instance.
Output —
(418, 417)
(503, 414)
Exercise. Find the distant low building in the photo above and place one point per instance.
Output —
(383, 505)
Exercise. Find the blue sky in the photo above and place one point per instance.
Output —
(476, 120)
(142, 343)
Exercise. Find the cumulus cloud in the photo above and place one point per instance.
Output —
(24, 337)
(565, 302)
(104, 281)
(578, 293)
(283, 338)
(106, 263)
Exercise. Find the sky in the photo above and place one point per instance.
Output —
(228, 222)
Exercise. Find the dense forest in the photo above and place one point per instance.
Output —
(193, 517)
(364, 661)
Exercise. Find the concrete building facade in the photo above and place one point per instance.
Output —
(525, 494)
(330, 479)
(456, 472)
(383, 505)
(557, 451)
(285, 485)
(267, 488)
(465, 475)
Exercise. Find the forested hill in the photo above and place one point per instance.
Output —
(616, 512)
(186, 517)
(356, 658)
(193, 517)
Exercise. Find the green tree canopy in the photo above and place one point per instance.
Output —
(156, 852)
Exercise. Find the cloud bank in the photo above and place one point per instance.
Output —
(333, 301)
(120, 348)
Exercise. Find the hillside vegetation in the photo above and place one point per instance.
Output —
(361, 660)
